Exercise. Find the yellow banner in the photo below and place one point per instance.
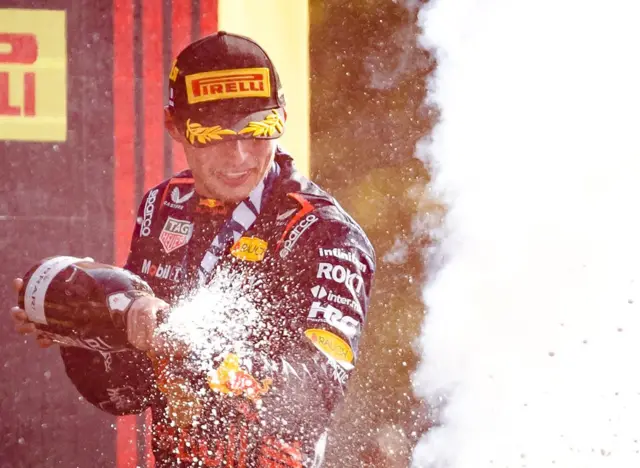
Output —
(282, 28)
(33, 75)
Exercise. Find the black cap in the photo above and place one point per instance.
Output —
(224, 86)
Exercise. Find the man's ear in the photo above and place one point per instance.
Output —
(170, 125)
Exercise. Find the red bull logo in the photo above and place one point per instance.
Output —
(210, 203)
(230, 379)
(211, 206)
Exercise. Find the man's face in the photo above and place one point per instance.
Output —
(229, 170)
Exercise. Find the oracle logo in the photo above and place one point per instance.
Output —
(21, 49)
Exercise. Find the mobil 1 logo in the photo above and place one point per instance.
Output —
(341, 275)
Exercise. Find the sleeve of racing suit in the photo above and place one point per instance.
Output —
(116, 382)
(329, 287)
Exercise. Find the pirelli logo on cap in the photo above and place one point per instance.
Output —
(228, 84)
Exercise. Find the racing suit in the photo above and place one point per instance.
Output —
(306, 268)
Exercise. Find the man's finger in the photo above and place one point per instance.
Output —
(19, 315)
(142, 320)
(25, 328)
(140, 325)
(17, 284)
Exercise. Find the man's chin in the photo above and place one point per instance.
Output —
(232, 194)
(234, 197)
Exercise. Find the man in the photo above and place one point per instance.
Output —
(286, 274)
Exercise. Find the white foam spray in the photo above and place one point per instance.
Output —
(532, 337)
(217, 320)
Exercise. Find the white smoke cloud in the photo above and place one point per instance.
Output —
(533, 331)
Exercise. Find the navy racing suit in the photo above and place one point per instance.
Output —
(290, 298)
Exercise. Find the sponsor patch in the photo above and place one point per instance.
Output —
(231, 379)
(175, 234)
(334, 318)
(330, 344)
(228, 84)
(340, 275)
(145, 227)
(178, 198)
(162, 271)
(178, 192)
(289, 239)
(343, 255)
(320, 292)
(250, 249)
(295, 234)
(211, 206)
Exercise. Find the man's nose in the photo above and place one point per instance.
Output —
(236, 153)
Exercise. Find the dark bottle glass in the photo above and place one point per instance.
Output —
(80, 302)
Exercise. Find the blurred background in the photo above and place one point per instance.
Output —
(82, 86)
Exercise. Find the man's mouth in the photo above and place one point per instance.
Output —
(234, 174)
(233, 177)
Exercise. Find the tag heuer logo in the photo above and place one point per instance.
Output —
(176, 198)
(175, 234)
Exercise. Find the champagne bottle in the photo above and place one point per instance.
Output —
(80, 302)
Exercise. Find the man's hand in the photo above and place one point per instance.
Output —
(142, 321)
(22, 323)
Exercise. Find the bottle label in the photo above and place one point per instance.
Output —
(38, 284)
